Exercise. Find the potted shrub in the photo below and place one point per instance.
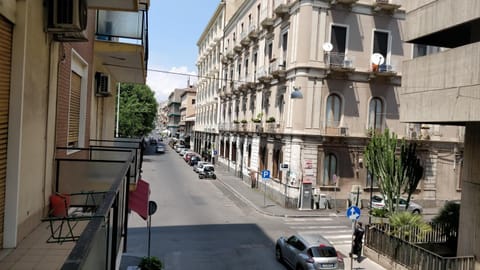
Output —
(244, 121)
(258, 119)
(150, 263)
(270, 120)
(236, 121)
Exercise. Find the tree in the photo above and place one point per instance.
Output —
(396, 173)
(138, 110)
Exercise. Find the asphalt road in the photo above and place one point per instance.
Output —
(200, 224)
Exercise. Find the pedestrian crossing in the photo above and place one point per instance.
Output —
(328, 227)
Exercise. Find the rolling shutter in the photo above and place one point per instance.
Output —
(74, 110)
(5, 66)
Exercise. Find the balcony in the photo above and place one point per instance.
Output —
(282, 8)
(253, 32)
(121, 44)
(340, 62)
(124, 5)
(245, 39)
(273, 127)
(383, 70)
(267, 19)
(263, 75)
(334, 129)
(238, 48)
(386, 5)
(277, 69)
(343, 2)
(107, 167)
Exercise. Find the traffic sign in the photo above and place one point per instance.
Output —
(265, 174)
(353, 213)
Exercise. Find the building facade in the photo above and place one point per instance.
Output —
(187, 113)
(443, 89)
(343, 58)
(174, 104)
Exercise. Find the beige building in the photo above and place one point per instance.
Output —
(303, 85)
(443, 88)
(187, 113)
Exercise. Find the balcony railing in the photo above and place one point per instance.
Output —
(100, 168)
(409, 254)
(340, 62)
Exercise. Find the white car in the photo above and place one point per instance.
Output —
(198, 165)
(379, 203)
(202, 167)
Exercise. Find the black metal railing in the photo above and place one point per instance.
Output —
(380, 239)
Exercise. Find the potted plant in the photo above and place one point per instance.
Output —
(150, 263)
(236, 121)
(271, 119)
(258, 119)
(244, 121)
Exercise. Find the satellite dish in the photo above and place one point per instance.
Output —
(327, 46)
(377, 59)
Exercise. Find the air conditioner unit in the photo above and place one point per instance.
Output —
(67, 15)
(101, 84)
(343, 131)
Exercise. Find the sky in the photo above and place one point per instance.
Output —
(174, 28)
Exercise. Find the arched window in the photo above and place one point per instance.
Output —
(329, 169)
(375, 114)
(334, 106)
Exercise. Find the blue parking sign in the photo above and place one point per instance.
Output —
(265, 174)
(353, 213)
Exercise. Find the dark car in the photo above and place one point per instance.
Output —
(160, 148)
(194, 160)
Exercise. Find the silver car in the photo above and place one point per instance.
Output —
(308, 252)
(378, 202)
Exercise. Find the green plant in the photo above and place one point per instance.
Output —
(271, 119)
(150, 263)
(244, 121)
(256, 120)
(406, 225)
(379, 212)
(236, 121)
(449, 217)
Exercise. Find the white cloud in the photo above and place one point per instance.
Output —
(163, 81)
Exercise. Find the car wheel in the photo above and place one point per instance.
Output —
(299, 267)
(416, 212)
(278, 254)
(214, 176)
(200, 176)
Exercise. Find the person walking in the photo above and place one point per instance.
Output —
(358, 240)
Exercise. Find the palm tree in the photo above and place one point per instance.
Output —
(406, 225)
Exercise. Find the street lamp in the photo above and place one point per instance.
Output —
(296, 94)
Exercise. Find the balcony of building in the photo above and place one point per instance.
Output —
(282, 8)
(253, 32)
(266, 19)
(124, 5)
(384, 70)
(96, 180)
(343, 2)
(438, 88)
(386, 5)
(121, 44)
(244, 38)
(340, 62)
(263, 75)
(277, 69)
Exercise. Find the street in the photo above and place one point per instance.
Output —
(201, 224)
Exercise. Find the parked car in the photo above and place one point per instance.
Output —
(188, 155)
(160, 148)
(194, 160)
(312, 252)
(207, 172)
(378, 202)
(198, 165)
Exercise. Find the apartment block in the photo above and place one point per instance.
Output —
(301, 86)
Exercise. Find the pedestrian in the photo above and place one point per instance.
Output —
(358, 240)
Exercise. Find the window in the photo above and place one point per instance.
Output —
(329, 169)
(193, 101)
(284, 49)
(269, 51)
(339, 38)
(375, 114)
(380, 43)
(334, 104)
(74, 109)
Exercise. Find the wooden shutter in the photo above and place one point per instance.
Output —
(5, 66)
(74, 109)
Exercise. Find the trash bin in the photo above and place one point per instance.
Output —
(323, 201)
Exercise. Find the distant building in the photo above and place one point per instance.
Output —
(187, 113)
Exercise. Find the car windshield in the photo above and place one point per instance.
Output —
(323, 251)
(209, 169)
